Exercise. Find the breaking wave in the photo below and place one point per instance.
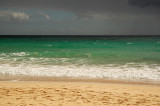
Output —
(129, 71)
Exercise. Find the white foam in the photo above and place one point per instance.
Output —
(48, 45)
(19, 54)
(129, 43)
(14, 54)
(14, 80)
(3, 54)
(124, 72)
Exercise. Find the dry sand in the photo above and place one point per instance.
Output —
(77, 94)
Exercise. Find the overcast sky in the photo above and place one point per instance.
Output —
(80, 17)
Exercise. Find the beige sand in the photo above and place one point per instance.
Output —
(77, 94)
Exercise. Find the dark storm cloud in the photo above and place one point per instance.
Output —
(96, 16)
(88, 9)
(145, 3)
(76, 5)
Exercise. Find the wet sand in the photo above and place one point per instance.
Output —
(77, 94)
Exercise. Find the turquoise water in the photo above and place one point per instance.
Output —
(87, 57)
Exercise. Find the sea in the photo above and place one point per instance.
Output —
(126, 58)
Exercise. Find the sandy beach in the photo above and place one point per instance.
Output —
(77, 94)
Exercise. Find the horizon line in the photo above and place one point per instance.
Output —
(79, 36)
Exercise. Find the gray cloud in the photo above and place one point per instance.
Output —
(145, 3)
(45, 15)
(91, 9)
(13, 16)
(93, 16)
(40, 14)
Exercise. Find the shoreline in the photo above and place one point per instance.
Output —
(64, 93)
(67, 79)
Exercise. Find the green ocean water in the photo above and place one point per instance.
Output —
(80, 52)
(98, 50)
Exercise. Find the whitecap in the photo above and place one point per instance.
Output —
(110, 71)
(48, 45)
(19, 54)
(3, 54)
(14, 54)
(129, 43)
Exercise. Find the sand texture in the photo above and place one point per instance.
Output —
(77, 94)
